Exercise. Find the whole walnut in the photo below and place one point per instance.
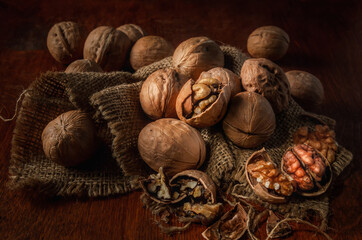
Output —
(305, 88)
(70, 139)
(250, 120)
(262, 76)
(159, 92)
(196, 55)
(268, 42)
(148, 50)
(171, 144)
(108, 47)
(133, 32)
(65, 41)
(83, 65)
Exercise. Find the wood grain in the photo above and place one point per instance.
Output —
(326, 39)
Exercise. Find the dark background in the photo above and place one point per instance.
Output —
(326, 38)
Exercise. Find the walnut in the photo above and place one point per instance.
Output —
(70, 139)
(65, 41)
(171, 144)
(305, 88)
(83, 65)
(268, 42)
(133, 32)
(262, 76)
(159, 92)
(196, 55)
(322, 139)
(309, 169)
(148, 50)
(203, 103)
(108, 47)
(250, 120)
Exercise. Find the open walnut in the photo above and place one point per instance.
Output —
(265, 178)
(232, 225)
(203, 103)
(322, 139)
(157, 188)
(309, 169)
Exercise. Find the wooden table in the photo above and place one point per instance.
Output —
(326, 40)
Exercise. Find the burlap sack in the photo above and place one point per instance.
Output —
(112, 99)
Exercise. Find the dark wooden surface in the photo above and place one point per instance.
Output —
(326, 39)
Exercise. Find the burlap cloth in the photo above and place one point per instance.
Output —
(113, 101)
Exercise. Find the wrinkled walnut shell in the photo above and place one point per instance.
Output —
(108, 47)
(258, 188)
(268, 42)
(70, 139)
(65, 41)
(262, 76)
(159, 92)
(196, 55)
(133, 32)
(250, 120)
(148, 50)
(83, 65)
(232, 225)
(171, 144)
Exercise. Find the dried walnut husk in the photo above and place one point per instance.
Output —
(266, 180)
(268, 42)
(83, 65)
(65, 41)
(305, 88)
(148, 50)
(322, 139)
(262, 76)
(133, 32)
(232, 225)
(196, 55)
(108, 47)
(250, 120)
(309, 169)
(203, 103)
(70, 139)
(171, 144)
(159, 92)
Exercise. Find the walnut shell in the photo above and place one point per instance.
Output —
(305, 88)
(159, 92)
(70, 139)
(133, 32)
(83, 65)
(196, 55)
(211, 114)
(262, 76)
(65, 41)
(258, 188)
(148, 50)
(250, 120)
(225, 76)
(268, 42)
(171, 144)
(108, 47)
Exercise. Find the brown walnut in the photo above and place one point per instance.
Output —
(305, 88)
(268, 42)
(250, 120)
(83, 65)
(70, 139)
(108, 47)
(262, 76)
(171, 144)
(159, 92)
(196, 55)
(65, 41)
(148, 50)
(133, 31)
